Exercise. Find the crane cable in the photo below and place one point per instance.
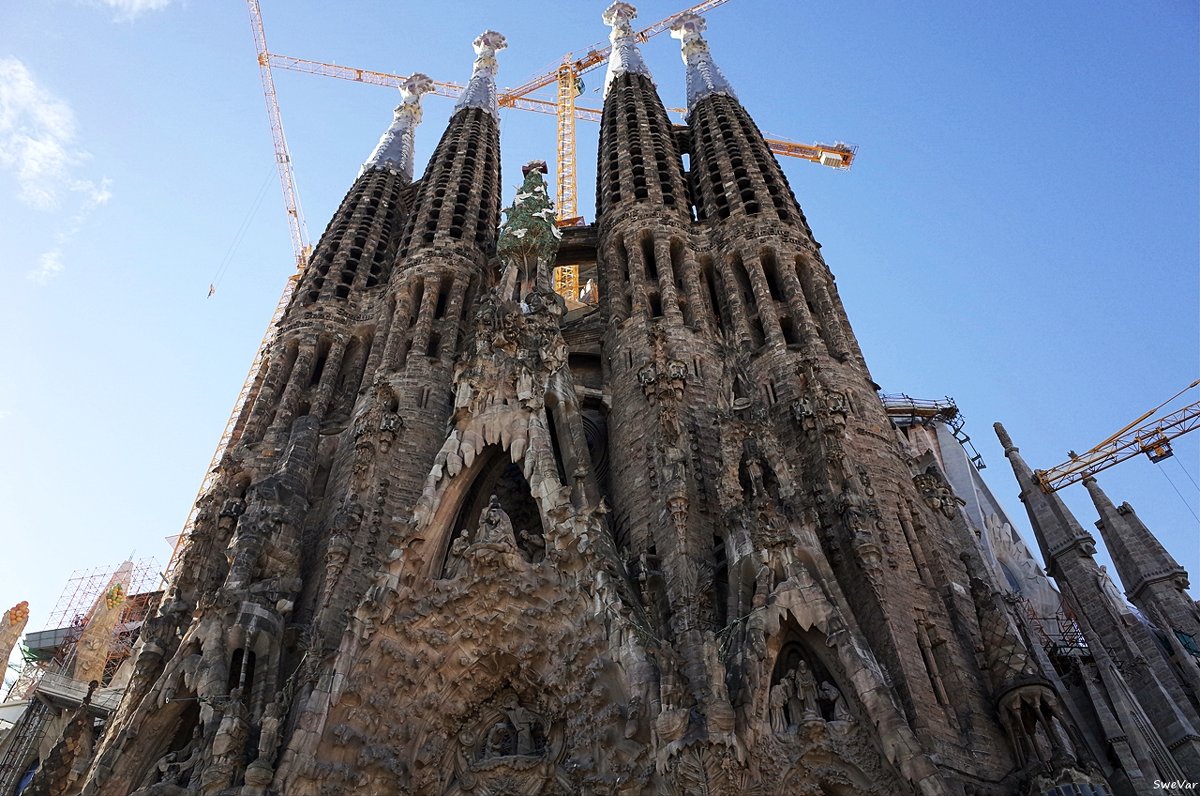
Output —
(1182, 499)
(238, 236)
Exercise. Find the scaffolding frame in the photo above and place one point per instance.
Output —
(77, 604)
(905, 410)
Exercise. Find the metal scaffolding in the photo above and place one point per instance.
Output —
(53, 649)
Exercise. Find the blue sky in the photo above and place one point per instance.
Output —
(1021, 230)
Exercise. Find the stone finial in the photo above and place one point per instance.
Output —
(625, 57)
(17, 615)
(704, 77)
(395, 147)
(11, 627)
(481, 89)
(1005, 440)
(535, 165)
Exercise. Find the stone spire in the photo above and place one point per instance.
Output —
(625, 57)
(481, 88)
(395, 148)
(1056, 528)
(1140, 558)
(704, 77)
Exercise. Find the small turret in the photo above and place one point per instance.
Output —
(1056, 529)
(733, 170)
(1140, 558)
(481, 88)
(356, 250)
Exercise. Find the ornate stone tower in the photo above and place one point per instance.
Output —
(473, 538)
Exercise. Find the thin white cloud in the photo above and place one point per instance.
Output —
(38, 140)
(128, 9)
(39, 147)
(50, 265)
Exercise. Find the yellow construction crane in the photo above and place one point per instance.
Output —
(566, 78)
(301, 248)
(283, 158)
(1149, 434)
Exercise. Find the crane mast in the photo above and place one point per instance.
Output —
(300, 248)
(283, 158)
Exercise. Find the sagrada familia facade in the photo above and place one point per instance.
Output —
(473, 538)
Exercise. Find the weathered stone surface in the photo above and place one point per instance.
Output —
(470, 542)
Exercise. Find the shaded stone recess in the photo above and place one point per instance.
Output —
(473, 537)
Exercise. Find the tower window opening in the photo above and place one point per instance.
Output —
(442, 297)
(647, 244)
(319, 366)
(720, 582)
(677, 262)
(435, 342)
(789, 330)
(714, 300)
(241, 673)
(655, 304)
(418, 295)
(742, 279)
(771, 272)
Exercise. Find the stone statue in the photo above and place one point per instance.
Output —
(455, 561)
(494, 526)
(272, 718)
(803, 702)
(523, 720)
(172, 768)
(633, 717)
(534, 544)
(780, 696)
(499, 741)
(228, 746)
(587, 295)
(830, 693)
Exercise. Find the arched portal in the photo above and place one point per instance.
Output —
(497, 475)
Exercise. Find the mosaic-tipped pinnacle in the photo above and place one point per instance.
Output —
(619, 15)
(414, 86)
(489, 42)
(688, 27)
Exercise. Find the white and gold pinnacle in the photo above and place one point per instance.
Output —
(704, 77)
(625, 57)
(481, 89)
(395, 148)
